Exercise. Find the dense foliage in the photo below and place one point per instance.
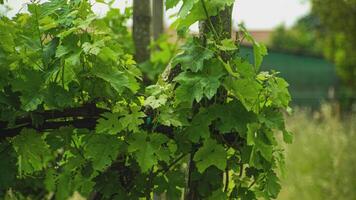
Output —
(338, 34)
(75, 115)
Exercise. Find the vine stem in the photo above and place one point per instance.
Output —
(171, 165)
(241, 169)
(76, 147)
(39, 35)
(215, 33)
(254, 182)
(226, 179)
(150, 179)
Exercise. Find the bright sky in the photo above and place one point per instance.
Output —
(267, 14)
(256, 14)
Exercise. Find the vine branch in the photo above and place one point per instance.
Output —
(215, 33)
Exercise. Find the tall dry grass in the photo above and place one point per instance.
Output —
(321, 163)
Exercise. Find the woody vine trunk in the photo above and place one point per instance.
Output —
(220, 26)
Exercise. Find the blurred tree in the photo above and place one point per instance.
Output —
(338, 19)
(157, 18)
(141, 29)
(302, 38)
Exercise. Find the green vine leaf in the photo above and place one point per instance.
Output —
(143, 151)
(252, 133)
(279, 93)
(171, 3)
(29, 84)
(195, 86)
(259, 51)
(210, 154)
(287, 137)
(186, 7)
(244, 68)
(117, 79)
(155, 102)
(133, 120)
(247, 90)
(149, 149)
(101, 149)
(227, 45)
(69, 183)
(218, 195)
(33, 153)
(197, 13)
(109, 123)
(272, 184)
(171, 184)
(266, 150)
(193, 56)
(8, 165)
(57, 97)
(171, 117)
(233, 116)
(113, 123)
(199, 127)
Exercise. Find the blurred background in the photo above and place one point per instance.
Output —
(312, 43)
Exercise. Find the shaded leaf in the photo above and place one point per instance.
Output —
(210, 154)
(101, 149)
(32, 151)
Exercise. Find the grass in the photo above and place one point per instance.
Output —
(321, 163)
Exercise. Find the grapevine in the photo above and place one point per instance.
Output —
(77, 117)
